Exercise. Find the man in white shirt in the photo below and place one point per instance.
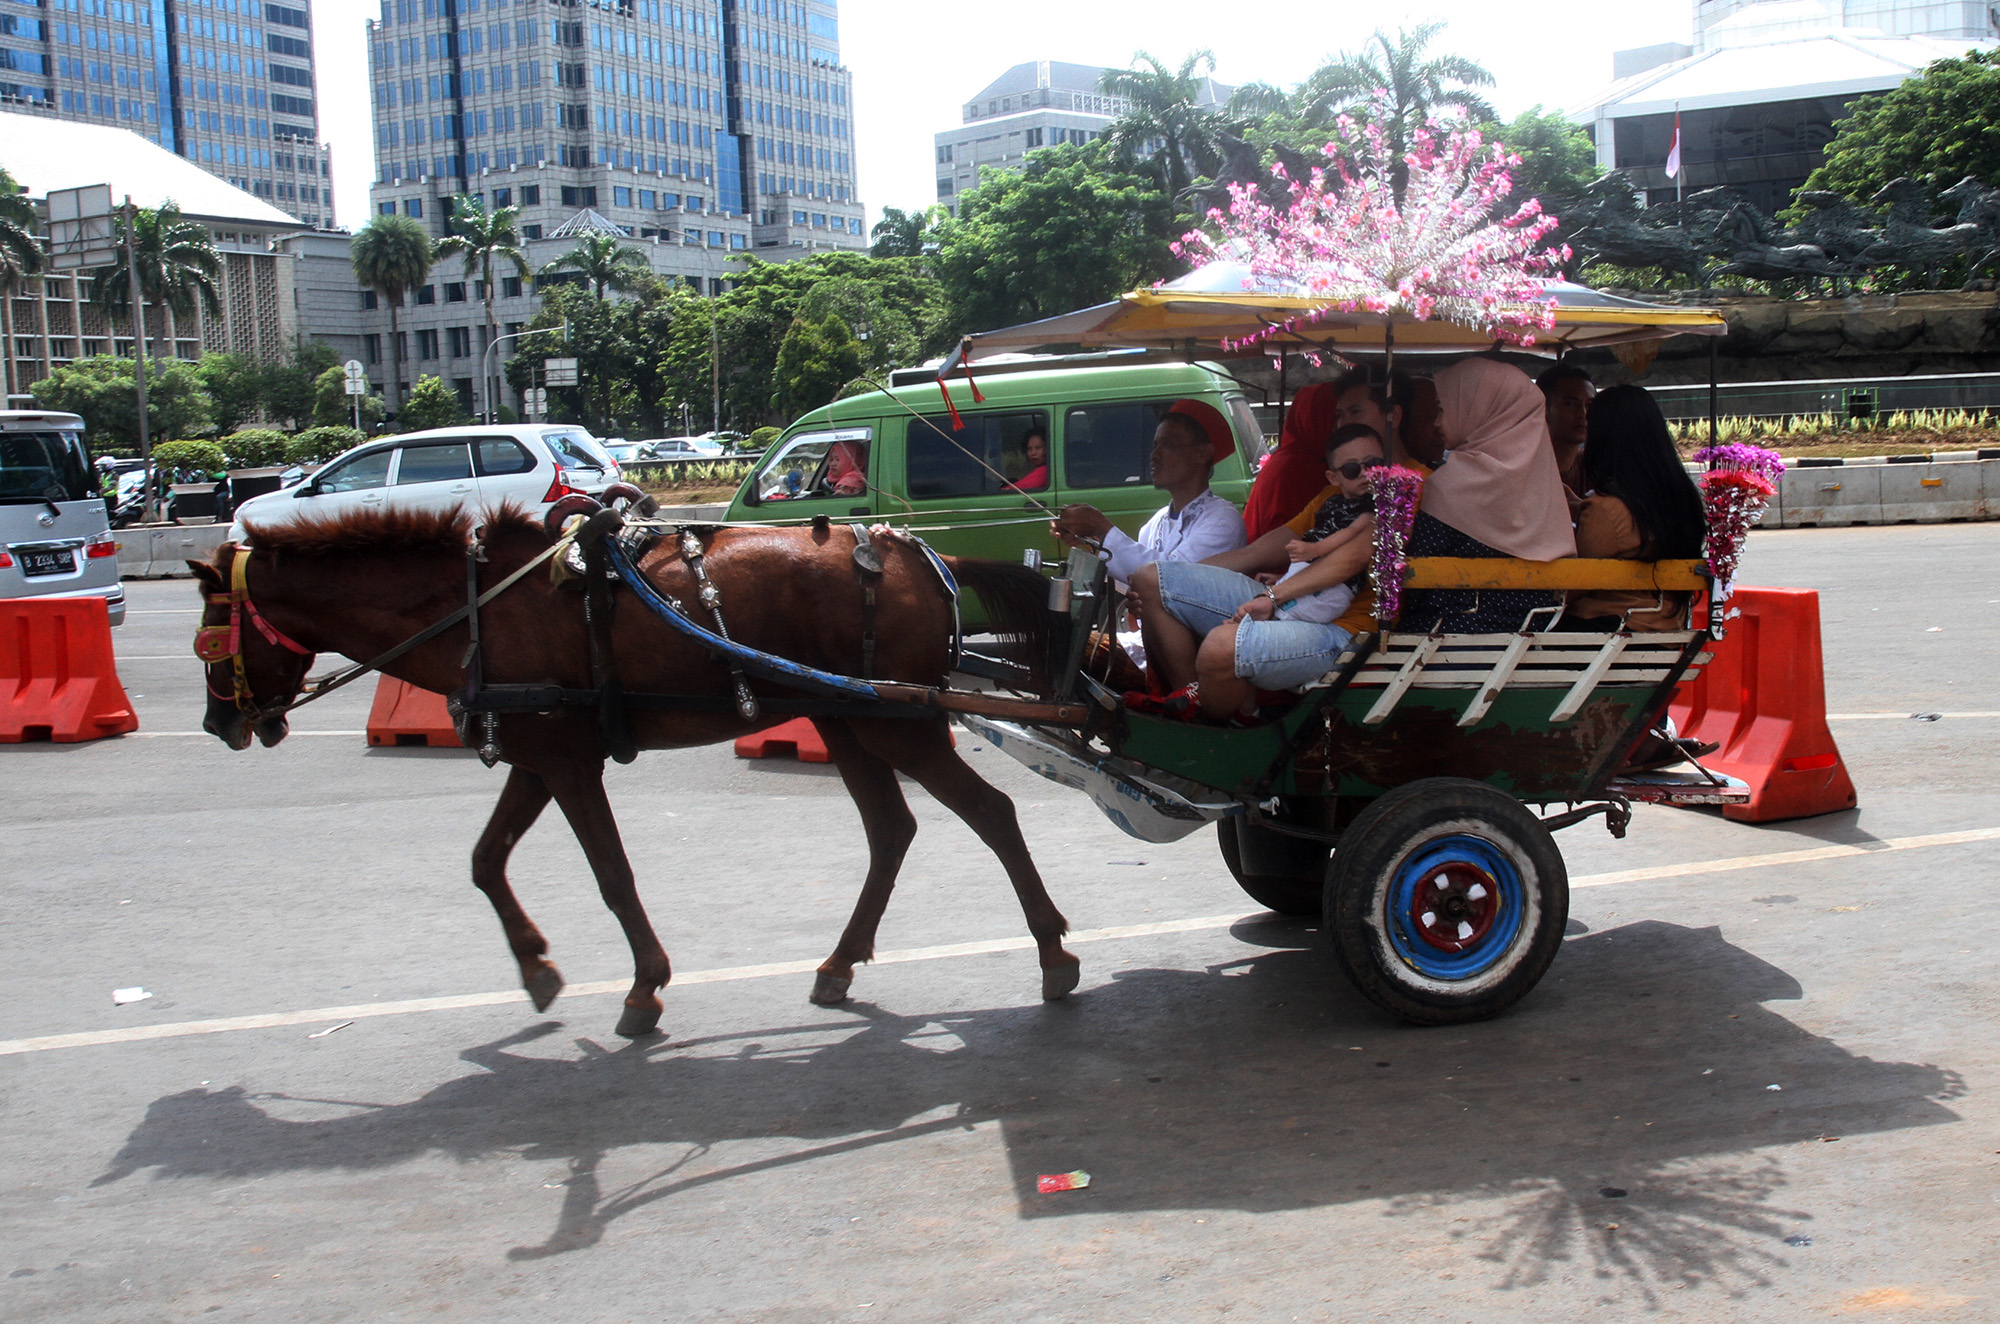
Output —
(1194, 525)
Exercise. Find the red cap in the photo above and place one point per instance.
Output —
(1209, 419)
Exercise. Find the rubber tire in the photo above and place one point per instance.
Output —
(1289, 893)
(1361, 876)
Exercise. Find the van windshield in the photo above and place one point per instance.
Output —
(43, 466)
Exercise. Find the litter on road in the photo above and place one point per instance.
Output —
(321, 1034)
(1062, 1181)
(121, 996)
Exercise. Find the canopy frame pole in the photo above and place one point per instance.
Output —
(1713, 408)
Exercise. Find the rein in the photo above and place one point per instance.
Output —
(220, 643)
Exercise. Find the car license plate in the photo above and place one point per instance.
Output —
(48, 561)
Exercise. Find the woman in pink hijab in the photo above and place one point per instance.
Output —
(1498, 493)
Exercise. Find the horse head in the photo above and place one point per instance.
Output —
(254, 670)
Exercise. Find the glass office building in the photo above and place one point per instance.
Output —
(227, 84)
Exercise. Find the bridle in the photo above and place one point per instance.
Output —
(224, 643)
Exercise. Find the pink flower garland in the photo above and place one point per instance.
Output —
(1397, 492)
(1734, 495)
(1437, 252)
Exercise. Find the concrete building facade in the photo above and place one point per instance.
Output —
(268, 305)
(1762, 84)
(227, 84)
(702, 132)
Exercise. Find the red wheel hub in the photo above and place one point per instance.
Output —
(1454, 906)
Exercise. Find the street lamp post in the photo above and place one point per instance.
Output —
(492, 347)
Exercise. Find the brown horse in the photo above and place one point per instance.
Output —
(362, 584)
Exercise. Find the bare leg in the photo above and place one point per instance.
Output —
(923, 750)
(521, 803)
(1170, 645)
(1223, 692)
(580, 794)
(886, 818)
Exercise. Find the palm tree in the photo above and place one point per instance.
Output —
(392, 256)
(481, 236)
(603, 261)
(20, 257)
(1415, 81)
(1167, 123)
(179, 268)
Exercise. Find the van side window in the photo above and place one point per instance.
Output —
(439, 463)
(974, 462)
(1110, 445)
(817, 464)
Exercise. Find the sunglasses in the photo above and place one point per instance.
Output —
(1353, 469)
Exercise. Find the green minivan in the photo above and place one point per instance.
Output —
(974, 490)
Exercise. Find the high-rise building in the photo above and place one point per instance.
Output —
(703, 131)
(1040, 104)
(226, 84)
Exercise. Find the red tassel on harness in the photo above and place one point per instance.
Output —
(957, 423)
(965, 366)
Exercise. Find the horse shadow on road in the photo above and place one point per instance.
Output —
(1642, 1067)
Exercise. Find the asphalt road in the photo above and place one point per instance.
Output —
(1758, 1091)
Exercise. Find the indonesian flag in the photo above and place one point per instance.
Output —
(1674, 152)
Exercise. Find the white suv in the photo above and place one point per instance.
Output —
(477, 467)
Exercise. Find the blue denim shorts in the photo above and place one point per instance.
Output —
(1272, 655)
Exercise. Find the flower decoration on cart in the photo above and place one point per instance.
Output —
(1739, 484)
(1397, 492)
(1421, 235)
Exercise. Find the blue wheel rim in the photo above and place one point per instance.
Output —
(1455, 908)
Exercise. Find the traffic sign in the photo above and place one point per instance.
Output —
(559, 372)
(357, 386)
(81, 233)
(356, 371)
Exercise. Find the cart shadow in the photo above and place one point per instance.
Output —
(1640, 1065)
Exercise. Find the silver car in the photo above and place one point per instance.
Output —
(55, 539)
(479, 467)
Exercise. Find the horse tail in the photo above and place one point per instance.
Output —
(1015, 602)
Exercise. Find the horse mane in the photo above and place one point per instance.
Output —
(388, 530)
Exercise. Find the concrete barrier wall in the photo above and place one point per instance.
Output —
(1876, 491)
(163, 551)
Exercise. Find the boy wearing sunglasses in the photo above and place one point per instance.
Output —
(1347, 514)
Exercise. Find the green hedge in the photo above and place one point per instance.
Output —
(255, 448)
(203, 455)
(315, 445)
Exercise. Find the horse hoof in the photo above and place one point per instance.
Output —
(638, 1022)
(830, 990)
(543, 986)
(1059, 981)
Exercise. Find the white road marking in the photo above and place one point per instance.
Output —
(1884, 717)
(165, 611)
(364, 1011)
(159, 735)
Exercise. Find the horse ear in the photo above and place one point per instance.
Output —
(210, 577)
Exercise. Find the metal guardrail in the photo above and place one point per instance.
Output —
(1842, 397)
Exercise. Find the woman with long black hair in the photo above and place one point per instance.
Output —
(1642, 507)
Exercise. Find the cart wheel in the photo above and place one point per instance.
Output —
(1446, 901)
(1281, 873)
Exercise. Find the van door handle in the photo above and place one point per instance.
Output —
(859, 510)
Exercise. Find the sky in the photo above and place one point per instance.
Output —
(914, 66)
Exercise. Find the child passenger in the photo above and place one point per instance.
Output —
(1342, 518)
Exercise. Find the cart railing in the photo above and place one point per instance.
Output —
(1571, 572)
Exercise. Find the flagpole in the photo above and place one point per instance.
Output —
(1680, 167)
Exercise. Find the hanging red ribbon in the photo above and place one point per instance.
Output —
(957, 423)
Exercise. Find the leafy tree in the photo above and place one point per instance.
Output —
(235, 386)
(1939, 126)
(815, 360)
(1068, 230)
(289, 388)
(317, 445)
(1558, 160)
(603, 262)
(432, 404)
(482, 238)
(254, 447)
(179, 267)
(1167, 124)
(906, 233)
(20, 258)
(333, 406)
(1416, 82)
(392, 256)
(100, 389)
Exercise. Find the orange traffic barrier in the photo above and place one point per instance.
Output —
(799, 736)
(1763, 699)
(405, 715)
(58, 679)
